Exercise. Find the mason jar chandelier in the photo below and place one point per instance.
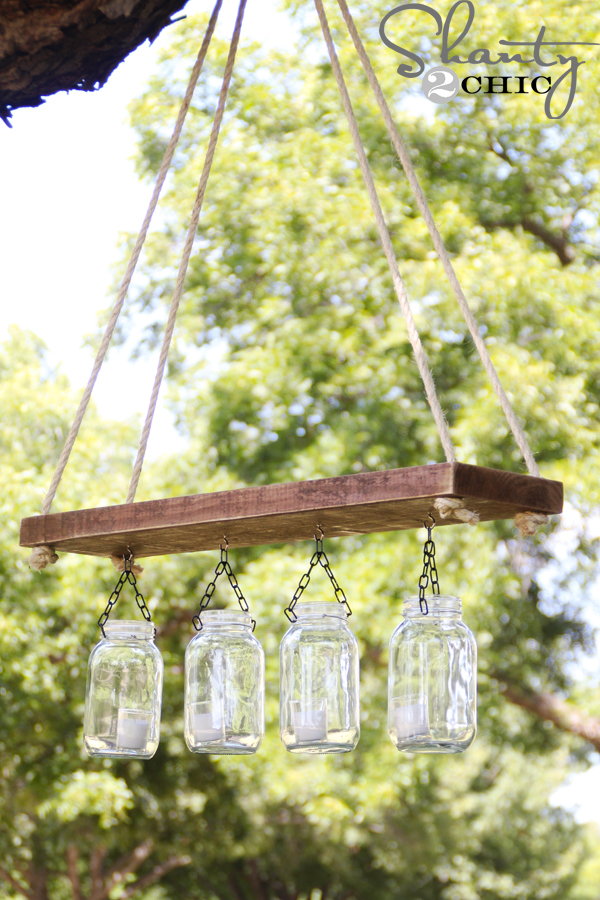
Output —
(432, 680)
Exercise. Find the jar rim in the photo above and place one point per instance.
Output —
(129, 627)
(320, 608)
(438, 604)
(214, 617)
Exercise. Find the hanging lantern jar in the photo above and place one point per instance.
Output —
(432, 682)
(319, 672)
(224, 677)
(124, 684)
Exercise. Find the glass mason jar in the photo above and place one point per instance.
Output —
(319, 681)
(432, 682)
(224, 686)
(124, 692)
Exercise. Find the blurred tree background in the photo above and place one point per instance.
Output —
(290, 362)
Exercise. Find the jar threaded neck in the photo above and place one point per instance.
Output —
(437, 604)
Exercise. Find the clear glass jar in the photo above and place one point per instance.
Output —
(319, 681)
(224, 686)
(124, 692)
(432, 682)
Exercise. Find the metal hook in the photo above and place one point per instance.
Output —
(128, 560)
(322, 534)
(429, 527)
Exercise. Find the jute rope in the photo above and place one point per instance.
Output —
(44, 555)
(384, 235)
(116, 310)
(449, 507)
(438, 243)
(526, 522)
(187, 252)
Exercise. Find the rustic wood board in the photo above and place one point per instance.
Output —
(351, 504)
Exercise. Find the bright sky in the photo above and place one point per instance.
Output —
(69, 190)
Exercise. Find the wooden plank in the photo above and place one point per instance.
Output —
(392, 500)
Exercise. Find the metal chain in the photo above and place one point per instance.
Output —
(430, 573)
(126, 575)
(223, 566)
(319, 557)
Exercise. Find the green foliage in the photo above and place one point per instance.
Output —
(291, 362)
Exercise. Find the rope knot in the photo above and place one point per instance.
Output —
(449, 507)
(41, 557)
(528, 522)
(119, 564)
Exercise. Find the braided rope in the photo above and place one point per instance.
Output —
(116, 310)
(187, 252)
(413, 334)
(403, 155)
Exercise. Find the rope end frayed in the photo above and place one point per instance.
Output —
(449, 507)
(527, 523)
(41, 557)
(119, 564)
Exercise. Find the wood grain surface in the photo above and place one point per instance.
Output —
(350, 504)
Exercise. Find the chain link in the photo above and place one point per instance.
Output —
(430, 573)
(126, 575)
(319, 557)
(223, 566)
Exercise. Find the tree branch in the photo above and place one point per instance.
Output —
(557, 243)
(127, 865)
(124, 861)
(553, 709)
(173, 624)
(256, 881)
(72, 859)
(174, 862)
(96, 864)
(235, 888)
(14, 883)
(494, 144)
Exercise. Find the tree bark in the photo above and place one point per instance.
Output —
(61, 45)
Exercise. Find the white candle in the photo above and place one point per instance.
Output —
(310, 725)
(133, 729)
(412, 719)
(206, 728)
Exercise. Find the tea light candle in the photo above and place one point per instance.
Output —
(205, 729)
(412, 720)
(310, 725)
(133, 730)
